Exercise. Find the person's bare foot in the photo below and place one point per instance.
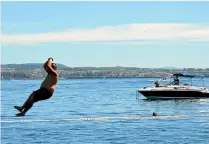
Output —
(20, 114)
(18, 108)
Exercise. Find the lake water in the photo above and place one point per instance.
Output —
(81, 98)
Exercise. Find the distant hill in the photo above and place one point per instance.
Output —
(30, 66)
(36, 71)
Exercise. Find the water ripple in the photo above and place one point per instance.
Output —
(100, 111)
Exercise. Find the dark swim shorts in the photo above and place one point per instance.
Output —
(42, 94)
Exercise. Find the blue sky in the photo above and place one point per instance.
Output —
(141, 34)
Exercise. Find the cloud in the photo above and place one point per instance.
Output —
(129, 32)
(126, 42)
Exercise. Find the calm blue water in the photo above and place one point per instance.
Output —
(96, 98)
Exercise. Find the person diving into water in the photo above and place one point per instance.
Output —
(46, 90)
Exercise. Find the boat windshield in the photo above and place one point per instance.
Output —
(186, 80)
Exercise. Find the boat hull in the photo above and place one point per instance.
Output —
(174, 94)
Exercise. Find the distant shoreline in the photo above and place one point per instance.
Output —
(35, 71)
(86, 78)
(95, 78)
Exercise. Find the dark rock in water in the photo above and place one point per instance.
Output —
(154, 114)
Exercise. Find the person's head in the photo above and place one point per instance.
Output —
(156, 82)
(154, 114)
(54, 66)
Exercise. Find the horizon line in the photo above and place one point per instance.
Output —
(164, 67)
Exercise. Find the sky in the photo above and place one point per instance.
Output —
(133, 34)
